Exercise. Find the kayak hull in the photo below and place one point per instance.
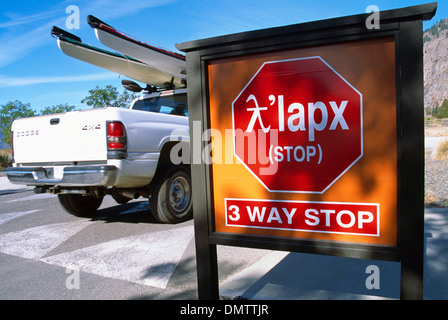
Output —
(118, 63)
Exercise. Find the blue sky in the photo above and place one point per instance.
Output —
(34, 70)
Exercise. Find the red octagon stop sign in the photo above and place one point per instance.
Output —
(297, 125)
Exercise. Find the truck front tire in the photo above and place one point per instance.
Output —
(171, 196)
(79, 205)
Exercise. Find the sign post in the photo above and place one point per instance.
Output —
(311, 139)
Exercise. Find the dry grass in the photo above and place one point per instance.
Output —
(442, 151)
(5, 158)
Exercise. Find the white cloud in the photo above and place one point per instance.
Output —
(109, 9)
(17, 20)
(21, 35)
(24, 81)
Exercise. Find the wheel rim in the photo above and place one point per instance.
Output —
(180, 194)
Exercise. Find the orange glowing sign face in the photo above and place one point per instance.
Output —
(304, 143)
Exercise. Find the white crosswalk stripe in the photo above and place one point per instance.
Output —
(36, 242)
(148, 259)
(5, 217)
(34, 197)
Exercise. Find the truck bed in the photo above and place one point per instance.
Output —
(51, 147)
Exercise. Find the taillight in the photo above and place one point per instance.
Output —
(12, 142)
(116, 136)
(12, 146)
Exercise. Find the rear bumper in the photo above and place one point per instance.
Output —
(79, 176)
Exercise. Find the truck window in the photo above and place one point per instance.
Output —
(173, 104)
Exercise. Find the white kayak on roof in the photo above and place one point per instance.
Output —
(72, 46)
(164, 60)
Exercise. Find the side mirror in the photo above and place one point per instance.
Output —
(131, 86)
(134, 87)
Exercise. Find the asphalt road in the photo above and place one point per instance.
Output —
(45, 253)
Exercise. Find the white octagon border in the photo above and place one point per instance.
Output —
(361, 125)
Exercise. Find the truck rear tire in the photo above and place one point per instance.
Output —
(171, 197)
(79, 205)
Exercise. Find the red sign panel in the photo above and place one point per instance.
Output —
(305, 118)
(322, 217)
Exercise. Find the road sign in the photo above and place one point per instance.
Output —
(316, 137)
(315, 116)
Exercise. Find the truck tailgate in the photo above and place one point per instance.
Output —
(61, 138)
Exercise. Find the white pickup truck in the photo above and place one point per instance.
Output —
(84, 155)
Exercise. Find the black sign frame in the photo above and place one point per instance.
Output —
(406, 26)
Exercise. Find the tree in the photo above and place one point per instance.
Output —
(98, 98)
(442, 111)
(108, 97)
(16, 110)
(125, 99)
(60, 108)
(435, 110)
(11, 111)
